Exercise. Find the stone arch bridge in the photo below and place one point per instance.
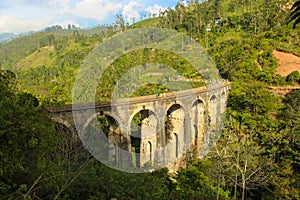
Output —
(172, 128)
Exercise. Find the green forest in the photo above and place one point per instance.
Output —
(256, 157)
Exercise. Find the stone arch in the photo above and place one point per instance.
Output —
(114, 131)
(213, 97)
(110, 115)
(143, 131)
(223, 101)
(213, 111)
(224, 92)
(175, 103)
(149, 118)
(112, 141)
(198, 113)
(211, 127)
(139, 109)
(112, 120)
(175, 131)
(199, 99)
(118, 142)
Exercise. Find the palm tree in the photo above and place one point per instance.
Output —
(295, 13)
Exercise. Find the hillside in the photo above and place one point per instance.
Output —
(48, 66)
(151, 22)
(257, 156)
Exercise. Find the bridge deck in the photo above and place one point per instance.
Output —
(140, 99)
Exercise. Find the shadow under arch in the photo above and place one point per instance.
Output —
(104, 129)
(213, 98)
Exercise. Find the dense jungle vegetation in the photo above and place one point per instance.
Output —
(257, 156)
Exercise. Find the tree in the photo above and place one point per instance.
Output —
(27, 142)
(238, 157)
(120, 22)
(290, 116)
(295, 14)
(286, 149)
(193, 183)
(293, 77)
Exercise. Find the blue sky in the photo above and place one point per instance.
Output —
(25, 15)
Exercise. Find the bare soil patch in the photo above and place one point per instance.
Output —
(288, 63)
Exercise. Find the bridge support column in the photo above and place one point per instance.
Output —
(188, 137)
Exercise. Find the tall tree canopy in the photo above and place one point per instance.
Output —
(295, 13)
(26, 139)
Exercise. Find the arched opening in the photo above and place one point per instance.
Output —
(174, 120)
(102, 137)
(143, 129)
(110, 128)
(135, 139)
(223, 102)
(198, 122)
(174, 131)
(210, 137)
(213, 110)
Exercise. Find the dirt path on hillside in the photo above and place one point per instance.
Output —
(288, 63)
(284, 87)
(283, 90)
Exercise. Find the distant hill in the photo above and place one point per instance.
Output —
(71, 28)
(6, 37)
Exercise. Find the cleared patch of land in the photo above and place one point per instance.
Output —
(288, 63)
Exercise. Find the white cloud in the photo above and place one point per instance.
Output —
(132, 10)
(58, 3)
(98, 10)
(155, 9)
(94, 9)
(9, 24)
